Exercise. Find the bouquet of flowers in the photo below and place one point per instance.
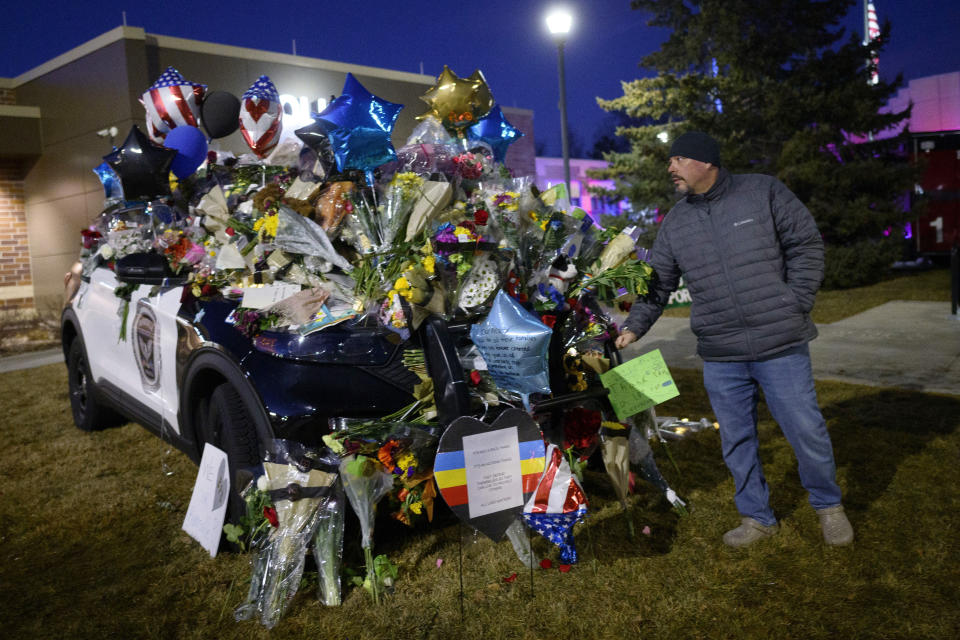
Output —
(365, 482)
(299, 481)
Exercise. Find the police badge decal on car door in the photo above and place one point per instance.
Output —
(146, 345)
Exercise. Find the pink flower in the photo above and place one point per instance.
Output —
(194, 254)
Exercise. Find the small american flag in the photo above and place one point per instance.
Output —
(170, 102)
(557, 504)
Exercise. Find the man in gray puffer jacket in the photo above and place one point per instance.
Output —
(752, 258)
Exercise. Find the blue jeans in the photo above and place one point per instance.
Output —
(787, 383)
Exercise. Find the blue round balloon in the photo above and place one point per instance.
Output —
(496, 132)
(514, 345)
(358, 125)
(191, 147)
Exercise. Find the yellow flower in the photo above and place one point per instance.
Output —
(401, 285)
(429, 264)
(461, 231)
(416, 507)
(406, 461)
(267, 225)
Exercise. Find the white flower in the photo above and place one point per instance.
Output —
(106, 251)
(262, 484)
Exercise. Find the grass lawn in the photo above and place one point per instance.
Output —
(831, 306)
(91, 546)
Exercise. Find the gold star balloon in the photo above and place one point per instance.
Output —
(458, 102)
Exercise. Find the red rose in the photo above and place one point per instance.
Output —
(564, 568)
(229, 231)
(548, 320)
(480, 216)
(271, 515)
(510, 578)
(546, 563)
(475, 378)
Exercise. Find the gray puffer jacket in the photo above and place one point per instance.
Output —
(752, 259)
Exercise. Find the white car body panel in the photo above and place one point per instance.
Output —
(142, 366)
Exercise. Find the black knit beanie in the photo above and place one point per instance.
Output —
(697, 146)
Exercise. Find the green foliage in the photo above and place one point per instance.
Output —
(859, 264)
(795, 104)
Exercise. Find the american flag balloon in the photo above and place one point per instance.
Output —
(171, 102)
(260, 116)
(557, 504)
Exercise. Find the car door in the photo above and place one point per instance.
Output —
(140, 362)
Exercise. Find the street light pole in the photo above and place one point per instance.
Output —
(564, 139)
(559, 22)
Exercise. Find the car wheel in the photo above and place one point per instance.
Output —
(89, 413)
(230, 428)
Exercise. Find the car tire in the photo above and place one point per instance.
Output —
(89, 413)
(229, 426)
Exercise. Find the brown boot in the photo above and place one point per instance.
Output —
(748, 532)
(836, 528)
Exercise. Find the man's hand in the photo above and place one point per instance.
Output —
(626, 337)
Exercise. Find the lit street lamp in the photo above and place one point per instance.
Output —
(559, 22)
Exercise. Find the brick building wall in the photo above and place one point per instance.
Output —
(15, 279)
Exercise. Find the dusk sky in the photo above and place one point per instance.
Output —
(506, 39)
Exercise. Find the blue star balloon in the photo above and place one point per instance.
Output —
(359, 125)
(514, 345)
(110, 181)
(496, 132)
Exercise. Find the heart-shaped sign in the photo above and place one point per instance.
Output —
(485, 472)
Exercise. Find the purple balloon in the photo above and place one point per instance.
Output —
(191, 147)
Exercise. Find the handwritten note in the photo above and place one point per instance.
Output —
(494, 476)
(639, 384)
(260, 297)
(515, 360)
(208, 504)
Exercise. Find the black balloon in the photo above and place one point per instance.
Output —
(220, 113)
(143, 167)
(313, 136)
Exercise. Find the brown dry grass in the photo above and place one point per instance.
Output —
(91, 546)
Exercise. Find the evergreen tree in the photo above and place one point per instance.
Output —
(785, 92)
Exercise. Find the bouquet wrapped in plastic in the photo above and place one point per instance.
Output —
(299, 481)
(365, 482)
(328, 546)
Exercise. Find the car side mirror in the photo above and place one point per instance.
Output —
(149, 268)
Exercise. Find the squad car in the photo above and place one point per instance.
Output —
(186, 373)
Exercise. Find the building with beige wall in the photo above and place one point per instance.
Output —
(50, 117)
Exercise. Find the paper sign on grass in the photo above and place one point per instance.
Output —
(208, 504)
(639, 384)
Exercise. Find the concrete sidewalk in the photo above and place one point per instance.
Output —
(31, 359)
(909, 345)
